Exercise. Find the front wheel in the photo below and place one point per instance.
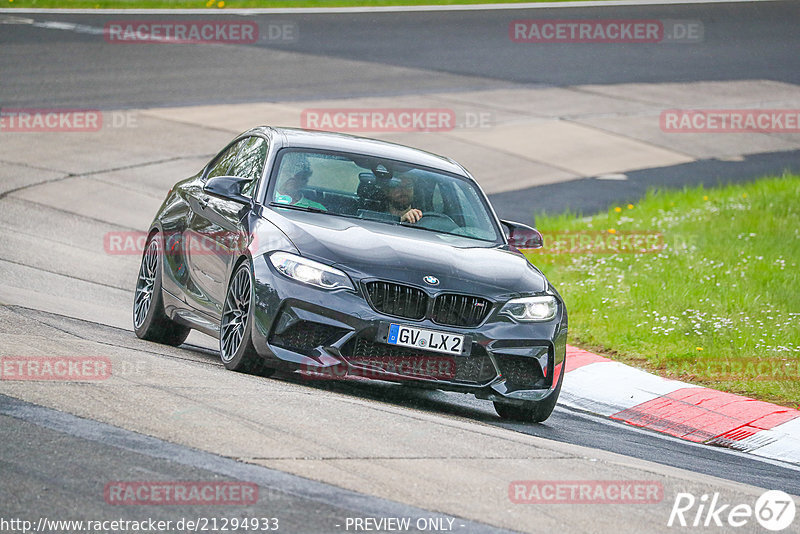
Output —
(150, 322)
(531, 411)
(236, 348)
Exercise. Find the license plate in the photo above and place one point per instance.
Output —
(419, 338)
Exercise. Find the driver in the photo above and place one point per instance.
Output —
(400, 194)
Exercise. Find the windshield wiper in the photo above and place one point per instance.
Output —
(311, 209)
(300, 208)
(413, 225)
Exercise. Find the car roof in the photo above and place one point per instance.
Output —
(298, 138)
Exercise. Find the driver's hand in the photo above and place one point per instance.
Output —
(411, 216)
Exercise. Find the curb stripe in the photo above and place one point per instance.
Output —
(609, 387)
(698, 414)
(578, 358)
(702, 414)
(780, 443)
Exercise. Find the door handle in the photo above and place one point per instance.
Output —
(203, 201)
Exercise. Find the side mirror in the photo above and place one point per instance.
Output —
(523, 236)
(228, 188)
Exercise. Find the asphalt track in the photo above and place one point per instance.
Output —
(348, 55)
(406, 53)
(86, 453)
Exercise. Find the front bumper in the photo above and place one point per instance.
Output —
(337, 334)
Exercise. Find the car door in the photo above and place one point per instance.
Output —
(199, 283)
(217, 231)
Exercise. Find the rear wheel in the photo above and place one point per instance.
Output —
(236, 348)
(149, 320)
(530, 412)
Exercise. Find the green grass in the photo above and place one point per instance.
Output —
(232, 4)
(718, 306)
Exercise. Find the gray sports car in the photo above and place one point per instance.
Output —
(344, 257)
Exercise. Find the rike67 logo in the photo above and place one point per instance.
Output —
(774, 510)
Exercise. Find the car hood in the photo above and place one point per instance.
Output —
(368, 249)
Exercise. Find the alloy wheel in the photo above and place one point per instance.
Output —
(145, 284)
(235, 314)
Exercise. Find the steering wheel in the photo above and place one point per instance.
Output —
(437, 221)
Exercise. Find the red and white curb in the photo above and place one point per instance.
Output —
(602, 386)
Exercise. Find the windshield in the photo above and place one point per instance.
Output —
(381, 190)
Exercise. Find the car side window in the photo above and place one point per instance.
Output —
(225, 160)
(250, 163)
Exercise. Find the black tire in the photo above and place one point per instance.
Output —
(236, 348)
(530, 412)
(149, 320)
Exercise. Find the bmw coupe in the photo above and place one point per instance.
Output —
(337, 256)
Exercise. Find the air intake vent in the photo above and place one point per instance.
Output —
(475, 369)
(397, 300)
(521, 371)
(304, 336)
(460, 310)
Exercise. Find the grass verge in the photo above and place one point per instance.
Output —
(715, 301)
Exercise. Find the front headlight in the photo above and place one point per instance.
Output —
(541, 308)
(310, 272)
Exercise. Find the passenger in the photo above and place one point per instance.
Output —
(290, 190)
(399, 195)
